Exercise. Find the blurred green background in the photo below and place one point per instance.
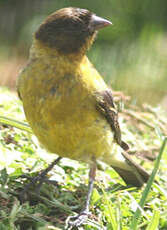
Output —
(131, 55)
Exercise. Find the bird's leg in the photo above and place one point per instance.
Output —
(83, 215)
(38, 180)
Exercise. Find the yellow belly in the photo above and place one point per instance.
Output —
(74, 139)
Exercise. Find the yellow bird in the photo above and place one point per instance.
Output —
(67, 103)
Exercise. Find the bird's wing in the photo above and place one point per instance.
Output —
(108, 109)
(137, 175)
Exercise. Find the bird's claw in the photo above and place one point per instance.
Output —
(38, 180)
(76, 221)
(33, 182)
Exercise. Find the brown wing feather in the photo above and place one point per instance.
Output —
(139, 175)
(107, 107)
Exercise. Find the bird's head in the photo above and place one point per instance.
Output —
(70, 30)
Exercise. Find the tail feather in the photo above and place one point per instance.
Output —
(132, 173)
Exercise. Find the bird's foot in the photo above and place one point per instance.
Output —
(78, 220)
(35, 182)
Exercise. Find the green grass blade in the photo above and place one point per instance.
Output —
(15, 123)
(118, 214)
(137, 215)
(110, 212)
(154, 221)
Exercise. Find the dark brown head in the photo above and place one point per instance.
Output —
(69, 29)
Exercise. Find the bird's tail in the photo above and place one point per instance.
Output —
(131, 172)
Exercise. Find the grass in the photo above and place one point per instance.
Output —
(114, 206)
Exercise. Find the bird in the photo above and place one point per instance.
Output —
(67, 103)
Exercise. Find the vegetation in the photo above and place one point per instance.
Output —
(113, 205)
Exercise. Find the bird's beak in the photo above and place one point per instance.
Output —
(98, 23)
